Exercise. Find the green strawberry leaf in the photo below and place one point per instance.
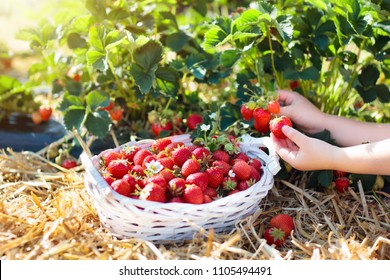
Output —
(98, 123)
(144, 79)
(97, 99)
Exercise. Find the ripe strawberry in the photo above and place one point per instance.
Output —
(233, 192)
(207, 199)
(157, 179)
(157, 127)
(110, 156)
(273, 107)
(153, 192)
(167, 162)
(128, 152)
(140, 156)
(118, 168)
(211, 192)
(220, 155)
(176, 186)
(200, 153)
(138, 170)
(45, 112)
(193, 194)
(193, 120)
(276, 125)
(255, 175)
(160, 144)
(244, 185)
(108, 178)
(176, 199)
(190, 166)
(109, 107)
(261, 116)
(198, 178)
(242, 170)
(294, 84)
(180, 155)
(262, 128)
(148, 159)
(339, 173)
(167, 174)
(274, 236)
(116, 114)
(215, 175)
(342, 184)
(131, 180)
(69, 163)
(242, 156)
(171, 147)
(121, 187)
(256, 164)
(283, 222)
(246, 113)
(223, 165)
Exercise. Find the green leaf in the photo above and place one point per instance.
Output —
(81, 24)
(224, 23)
(248, 22)
(71, 101)
(73, 87)
(325, 178)
(229, 57)
(98, 123)
(148, 55)
(347, 57)
(320, 4)
(368, 76)
(96, 99)
(97, 59)
(7, 83)
(144, 79)
(383, 93)
(368, 94)
(213, 37)
(113, 39)
(75, 41)
(97, 36)
(177, 41)
(74, 118)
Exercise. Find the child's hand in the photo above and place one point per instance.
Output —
(301, 111)
(303, 152)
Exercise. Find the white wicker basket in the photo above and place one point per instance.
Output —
(162, 222)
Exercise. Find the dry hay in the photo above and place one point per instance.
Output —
(45, 213)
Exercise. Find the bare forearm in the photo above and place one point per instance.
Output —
(372, 158)
(349, 132)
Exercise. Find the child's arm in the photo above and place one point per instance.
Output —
(306, 153)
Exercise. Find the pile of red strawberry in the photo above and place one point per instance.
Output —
(265, 116)
(172, 172)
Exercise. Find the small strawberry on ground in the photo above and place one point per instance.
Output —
(69, 163)
(342, 184)
(274, 236)
(276, 125)
(283, 222)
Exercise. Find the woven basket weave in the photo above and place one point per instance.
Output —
(162, 222)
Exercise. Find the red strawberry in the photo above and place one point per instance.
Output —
(171, 147)
(293, 84)
(69, 163)
(128, 178)
(262, 128)
(242, 170)
(221, 155)
(255, 175)
(45, 113)
(176, 186)
(339, 173)
(176, 199)
(140, 156)
(193, 194)
(190, 166)
(148, 159)
(276, 125)
(275, 236)
(157, 179)
(261, 116)
(199, 178)
(138, 170)
(243, 185)
(180, 155)
(200, 153)
(273, 107)
(121, 187)
(108, 178)
(193, 120)
(167, 174)
(167, 162)
(211, 192)
(158, 127)
(233, 192)
(255, 163)
(283, 222)
(246, 113)
(342, 184)
(223, 165)
(242, 156)
(118, 168)
(153, 192)
(160, 144)
(128, 152)
(215, 175)
(110, 156)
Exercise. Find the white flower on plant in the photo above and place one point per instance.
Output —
(205, 127)
(231, 173)
(154, 166)
(213, 115)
